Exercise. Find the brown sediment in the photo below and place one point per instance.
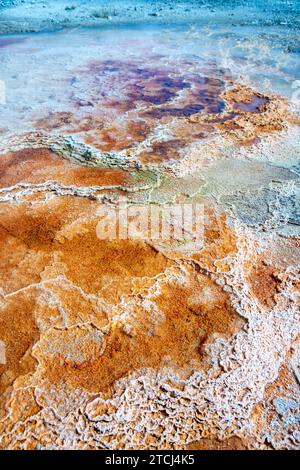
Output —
(244, 100)
(23, 405)
(277, 423)
(133, 99)
(204, 94)
(188, 131)
(20, 233)
(121, 136)
(40, 165)
(197, 311)
(9, 41)
(255, 104)
(265, 275)
(28, 236)
(213, 443)
(147, 96)
(219, 243)
(80, 313)
(138, 82)
(107, 310)
(155, 90)
(264, 282)
(89, 312)
(249, 115)
(69, 122)
(206, 97)
(188, 319)
(18, 331)
(160, 151)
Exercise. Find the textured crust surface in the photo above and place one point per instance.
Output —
(138, 343)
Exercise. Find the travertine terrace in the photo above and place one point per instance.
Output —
(137, 343)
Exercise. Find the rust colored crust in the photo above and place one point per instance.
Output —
(121, 136)
(190, 106)
(18, 331)
(43, 241)
(266, 417)
(264, 283)
(254, 115)
(232, 443)
(40, 165)
(4, 42)
(147, 99)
